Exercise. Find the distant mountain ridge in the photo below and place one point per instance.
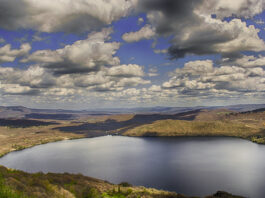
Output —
(61, 114)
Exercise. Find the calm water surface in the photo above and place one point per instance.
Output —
(192, 166)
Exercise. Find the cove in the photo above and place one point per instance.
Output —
(189, 165)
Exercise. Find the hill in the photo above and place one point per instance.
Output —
(249, 125)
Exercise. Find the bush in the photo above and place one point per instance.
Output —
(7, 192)
(125, 184)
(93, 193)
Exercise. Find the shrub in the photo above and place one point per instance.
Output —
(125, 184)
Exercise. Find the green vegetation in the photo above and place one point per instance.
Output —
(20, 138)
(18, 147)
(18, 184)
(7, 192)
(248, 125)
(192, 128)
(259, 139)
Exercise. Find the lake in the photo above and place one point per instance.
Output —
(191, 165)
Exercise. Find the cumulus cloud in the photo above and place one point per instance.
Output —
(153, 72)
(32, 77)
(66, 16)
(161, 51)
(260, 22)
(247, 61)
(216, 36)
(15, 89)
(40, 81)
(115, 78)
(196, 31)
(200, 77)
(146, 32)
(131, 70)
(9, 55)
(88, 65)
(82, 56)
(239, 8)
(2, 40)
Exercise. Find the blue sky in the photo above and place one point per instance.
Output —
(86, 54)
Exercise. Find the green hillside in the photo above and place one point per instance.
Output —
(18, 184)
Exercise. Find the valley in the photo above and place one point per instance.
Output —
(22, 128)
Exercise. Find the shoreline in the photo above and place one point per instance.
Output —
(31, 146)
(210, 136)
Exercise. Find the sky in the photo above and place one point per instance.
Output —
(87, 54)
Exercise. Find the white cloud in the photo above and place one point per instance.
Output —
(240, 8)
(153, 72)
(245, 38)
(146, 32)
(37, 80)
(155, 88)
(132, 82)
(250, 61)
(195, 31)
(82, 56)
(216, 36)
(37, 37)
(260, 22)
(9, 55)
(15, 89)
(140, 20)
(131, 70)
(33, 77)
(200, 78)
(2, 40)
(161, 51)
(197, 67)
(88, 65)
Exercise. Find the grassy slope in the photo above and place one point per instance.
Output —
(18, 134)
(18, 184)
(192, 128)
(215, 123)
(12, 139)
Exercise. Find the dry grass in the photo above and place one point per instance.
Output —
(19, 138)
(196, 128)
(213, 115)
(12, 139)
(220, 122)
(71, 185)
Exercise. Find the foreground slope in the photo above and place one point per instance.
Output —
(18, 184)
